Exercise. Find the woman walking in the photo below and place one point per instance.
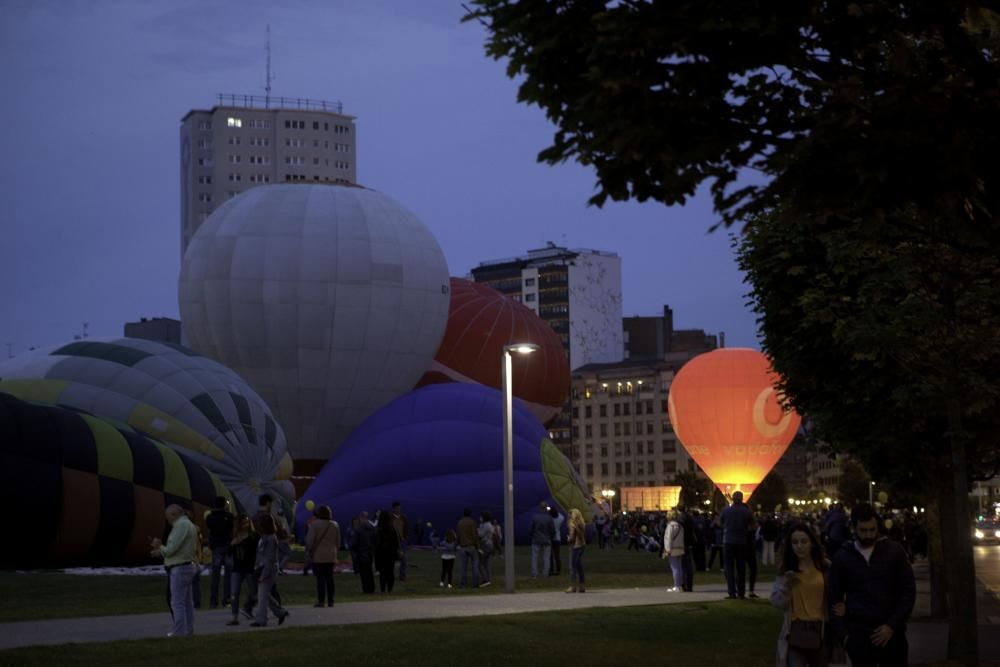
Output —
(266, 567)
(800, 590)
(576, 538)
(322, 540)
(386, 552)
(243, 551)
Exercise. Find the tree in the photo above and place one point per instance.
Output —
(871, 129)
(694, 489)
(852, 489)
(770, 493)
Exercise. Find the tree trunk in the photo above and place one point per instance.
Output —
(963, 631)
(935, 556)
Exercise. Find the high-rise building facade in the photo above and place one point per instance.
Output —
(579, 293)
(248, 140)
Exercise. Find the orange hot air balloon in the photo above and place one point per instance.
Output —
(725, 411)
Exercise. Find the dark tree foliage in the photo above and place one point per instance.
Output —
(695, 490)
(771, 492)
(854, 483)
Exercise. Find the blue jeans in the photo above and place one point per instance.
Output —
(402, 559)
(218, 561)
(576, 565)
(237, 579)
(469, 554)
(677, 569)
(182, 599)
(545, 551)
(265, 600)
(484, 568)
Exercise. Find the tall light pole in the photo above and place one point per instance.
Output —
(508, 459)
(610, 495)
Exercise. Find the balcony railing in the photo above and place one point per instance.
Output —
(269, 102)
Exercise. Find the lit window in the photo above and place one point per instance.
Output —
(234, 122)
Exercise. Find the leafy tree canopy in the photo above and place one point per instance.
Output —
(836, 103)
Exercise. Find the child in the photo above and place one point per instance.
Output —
(448, 548)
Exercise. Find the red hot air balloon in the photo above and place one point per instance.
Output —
(726, 412)
(481, 321)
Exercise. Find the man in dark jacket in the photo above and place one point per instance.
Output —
(872, 592)
(220, 532)
(735, 521)
(363, 548)
(543, 531)
(690, 538)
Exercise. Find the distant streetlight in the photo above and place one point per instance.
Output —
(610, 495)
(508, 458)
(871, 489)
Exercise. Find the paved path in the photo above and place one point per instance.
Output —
(142, 626)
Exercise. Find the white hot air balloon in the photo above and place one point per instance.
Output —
(195, 405)
(331, 301)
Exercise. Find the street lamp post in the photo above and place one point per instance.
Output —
(508, 459)
(610, 495)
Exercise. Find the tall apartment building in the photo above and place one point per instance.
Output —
(249, 140)
(579, 293)
(621, 424)
(655, 336)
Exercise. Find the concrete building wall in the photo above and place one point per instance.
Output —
(595, 309)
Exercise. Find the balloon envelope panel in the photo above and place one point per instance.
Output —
(330, 300)
(726, 412)
(437, 450)
(93, 493)
(195, 405)
(481, 321)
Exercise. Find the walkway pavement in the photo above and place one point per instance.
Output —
(927, 637)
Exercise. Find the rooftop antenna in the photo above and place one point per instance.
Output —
(268, 77)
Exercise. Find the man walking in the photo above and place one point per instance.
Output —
(872, 591)
(468, 547)
(543, 531)
(220, 532)
(178, 555)
(363, 549)
(735, 521)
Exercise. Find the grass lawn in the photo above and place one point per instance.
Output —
(54, 595)
(721, 633)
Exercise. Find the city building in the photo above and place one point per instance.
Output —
(655, 336)
(160, 329)
(250, 140)
(579, 293)
(792, 467)
(621, 430)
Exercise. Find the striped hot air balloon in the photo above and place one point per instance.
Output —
(196, 406)
(90, 491)
(481, 321)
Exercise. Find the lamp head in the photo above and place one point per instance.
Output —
(522, 348)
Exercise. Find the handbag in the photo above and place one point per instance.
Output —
(805, 635)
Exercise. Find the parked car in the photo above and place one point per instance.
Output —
(986, 532)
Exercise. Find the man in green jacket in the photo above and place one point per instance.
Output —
(178, 555)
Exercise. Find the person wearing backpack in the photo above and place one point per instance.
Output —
(487, 545)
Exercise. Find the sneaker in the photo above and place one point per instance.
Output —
(441, 584)
(753, 595)
(484, 584)
(672, 589)
(571, 589)
(449, 586)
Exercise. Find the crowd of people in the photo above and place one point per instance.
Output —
(843, 581)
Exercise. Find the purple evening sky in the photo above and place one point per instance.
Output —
(91, 109)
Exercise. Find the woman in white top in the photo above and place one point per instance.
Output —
(673, 549)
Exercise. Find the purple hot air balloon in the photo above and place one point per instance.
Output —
(438, 450)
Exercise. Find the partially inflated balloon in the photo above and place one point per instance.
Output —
(726, 412)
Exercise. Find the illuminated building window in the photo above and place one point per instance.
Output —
(234, 122)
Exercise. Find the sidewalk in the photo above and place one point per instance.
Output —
(213, 622)
(927, 637)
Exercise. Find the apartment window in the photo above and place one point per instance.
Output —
(618, 428)
(204, 143)
(628, 467)
(315, 124)
(669, 465)
(628, 449)
(234, 177)
(295, 125)
(590, 470)
(604, 430)
(627, 409)
(603, 410)
(664, 426)
(604, 469)
(628, 428)
(576, 429)
(604, 450)
(638, 448)
(649, 407)
(233, 193)
(649, 428)
(529, 282)
(669, 446)
(590, 450)
(205, 180)
(618, 410)
(205, 162)
(638, 408)
(587, 412)
(234, 140)
(315, 143)
(234, 159)
(326, 126)
(618, 449)
(640, 469)
(205, 197)
(205, 125)
(234, 122)
(529, 297)
(618, 468)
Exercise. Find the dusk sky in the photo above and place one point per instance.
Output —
(91, 111)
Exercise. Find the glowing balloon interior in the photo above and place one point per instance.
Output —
(727, 414)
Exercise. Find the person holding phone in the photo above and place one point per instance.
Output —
(801, 591)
